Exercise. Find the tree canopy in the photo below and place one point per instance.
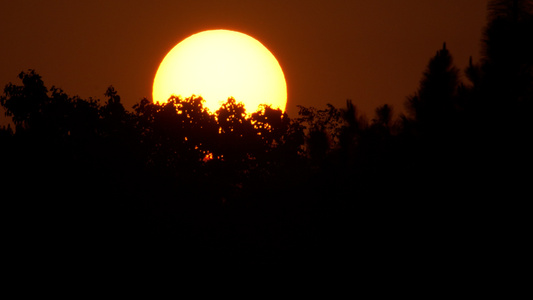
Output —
(262, 184)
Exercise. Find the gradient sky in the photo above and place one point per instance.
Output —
(373, 52)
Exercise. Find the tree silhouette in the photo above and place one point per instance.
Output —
(383, 116)
(271, 124)
(323, 130)
(498, 101)
(238, 139)
(24, 103)
(507, 63)
(178, 132)
(350, 131)
(433, 107)
(262, 186)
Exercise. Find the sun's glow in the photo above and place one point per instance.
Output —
(218, 64)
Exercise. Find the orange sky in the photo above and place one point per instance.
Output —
(373, 52)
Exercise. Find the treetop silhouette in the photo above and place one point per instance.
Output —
(266, 183)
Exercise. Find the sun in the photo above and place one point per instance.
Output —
(218, 64)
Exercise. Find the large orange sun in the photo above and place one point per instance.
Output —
(218, 64)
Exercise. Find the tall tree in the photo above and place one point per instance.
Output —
(432, 107)
(507, 63)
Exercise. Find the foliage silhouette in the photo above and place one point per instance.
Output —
(264, 187)
(433, 105)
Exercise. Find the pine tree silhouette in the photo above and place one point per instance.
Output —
(433, 105)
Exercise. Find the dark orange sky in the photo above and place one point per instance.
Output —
(372, 52)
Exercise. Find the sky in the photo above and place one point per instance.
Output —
(372, 52)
